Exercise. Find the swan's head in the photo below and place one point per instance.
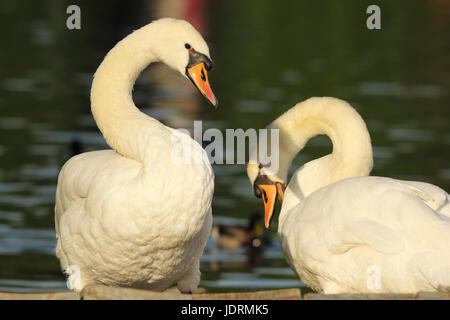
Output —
(181, 47)
(266, 186)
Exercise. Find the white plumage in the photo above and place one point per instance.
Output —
(131, 216)
(344, 231)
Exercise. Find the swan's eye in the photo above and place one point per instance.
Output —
(187, 45)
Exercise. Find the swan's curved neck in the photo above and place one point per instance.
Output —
(123, 126)
(352, 149)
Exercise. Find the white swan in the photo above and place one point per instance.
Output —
(343, 231)
(132, 216)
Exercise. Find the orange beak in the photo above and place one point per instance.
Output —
(269, 194)
(199, 76)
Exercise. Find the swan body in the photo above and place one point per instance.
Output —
(131, 216)
(343, 231)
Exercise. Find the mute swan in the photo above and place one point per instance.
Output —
(131, 216)
(341, 230)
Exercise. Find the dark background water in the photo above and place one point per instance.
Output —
(268, 56)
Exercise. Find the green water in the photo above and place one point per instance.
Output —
(268, 56)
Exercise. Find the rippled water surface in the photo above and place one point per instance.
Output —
(267, 58)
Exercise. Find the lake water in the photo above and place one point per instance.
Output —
(267, 58)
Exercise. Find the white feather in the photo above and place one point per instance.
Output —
(131, 216)
(337, 223)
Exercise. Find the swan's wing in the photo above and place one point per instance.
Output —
(388, 215)
(76, 177)
(338, 230)
(433, 196)
(376, 235)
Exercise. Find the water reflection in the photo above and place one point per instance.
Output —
(267, 58)
(15, 240)
(18, 285)
(400, 90)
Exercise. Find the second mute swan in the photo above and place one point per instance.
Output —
(341, 230)
(131, 216)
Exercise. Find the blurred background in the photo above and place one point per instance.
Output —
(268, 56)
